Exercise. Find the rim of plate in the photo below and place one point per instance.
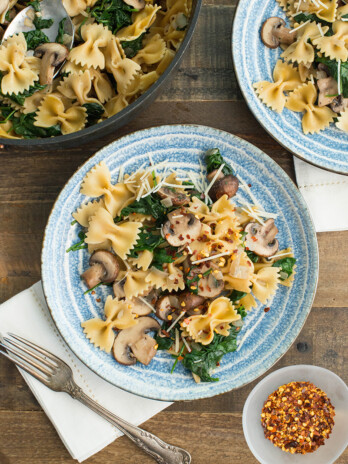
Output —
(268, 377)
(259, 120)
(207, 393)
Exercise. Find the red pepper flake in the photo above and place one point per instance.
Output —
(218, 364)
(249, 185)
(181, 237)
(254, 239)
(247, 248)
(266, 310)
(93, 292)
(188, 236)
(98, 299)
(180, 358)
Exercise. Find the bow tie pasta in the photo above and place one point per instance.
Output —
(316, 45)
(183, 252)
(118, 53)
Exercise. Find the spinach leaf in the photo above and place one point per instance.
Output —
(35, 4)
(161, 256)
(302, 17)
(79, 245)
(147, 241)
(61, 32)
(214, 160)
(20, 97)
(252, 256)
(131, 47)
(94, 112)
(202, 362)
(333, 70)
(165, 341)
(113, 14)
(147, 205)
(41, 23)
(286, 265)
(24, 126)
(236, 295)
(242, 311)
(35, 38)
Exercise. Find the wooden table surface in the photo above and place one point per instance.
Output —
(203, 91)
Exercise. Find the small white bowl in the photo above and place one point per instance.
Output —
(263, 450)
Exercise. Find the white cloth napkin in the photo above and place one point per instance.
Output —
(326, 195)
(82, 431)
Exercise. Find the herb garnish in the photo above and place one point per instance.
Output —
(214, 160)
(79, 245)
(286, 265)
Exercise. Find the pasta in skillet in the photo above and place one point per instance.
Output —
(174, 244)
(316, 45)
(121, 48)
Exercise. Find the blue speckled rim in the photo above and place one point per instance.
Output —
(270, 337)
(254, 62)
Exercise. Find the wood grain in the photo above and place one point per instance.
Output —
(203, 91)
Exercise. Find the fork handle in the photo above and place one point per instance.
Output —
(162, 452)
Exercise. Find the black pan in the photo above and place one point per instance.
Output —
(123, 117)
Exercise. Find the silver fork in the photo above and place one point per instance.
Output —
(58, 376)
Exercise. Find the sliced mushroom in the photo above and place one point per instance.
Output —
(181, 228)
(52, 55)
(166, 305)
(328, 90)
(177, 198)
(210, 285)
(322, 71)
(339, 104)
(104, 268)
(261, 238)
(118, 289)
(274, 33)
(137, 4)
(134, 344)
(191, 303)
(223, 185)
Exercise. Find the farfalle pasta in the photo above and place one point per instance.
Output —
(316, 46)
(177, 247)
(118, 53)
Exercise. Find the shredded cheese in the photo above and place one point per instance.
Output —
(175, 322)
(186, 344)
(339, 85)
(147, 303)
(323, 4)
(321, 33)
(178, 186)
(211, 257)
(214, 179)
(299, 27)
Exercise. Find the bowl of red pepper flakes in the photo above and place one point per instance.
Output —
(298, 417)
(297, 414)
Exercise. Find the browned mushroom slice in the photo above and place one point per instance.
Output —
(140, 306)
(134, 344)
(52, 55)
(181, 228)
(328, 90)
(261, 238)
(118, 289)
(274, 32)
(210, 280)
(177, 198)
(191, 303)
(137, 4)
(223, 185)
(166, 305)
(104, 268)
(339, 104)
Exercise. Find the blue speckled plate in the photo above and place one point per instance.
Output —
(254, 62)
(265, 337)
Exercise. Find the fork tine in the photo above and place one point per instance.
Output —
(26, 359)
(30, 352)
(36, 347)
(26, 368)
